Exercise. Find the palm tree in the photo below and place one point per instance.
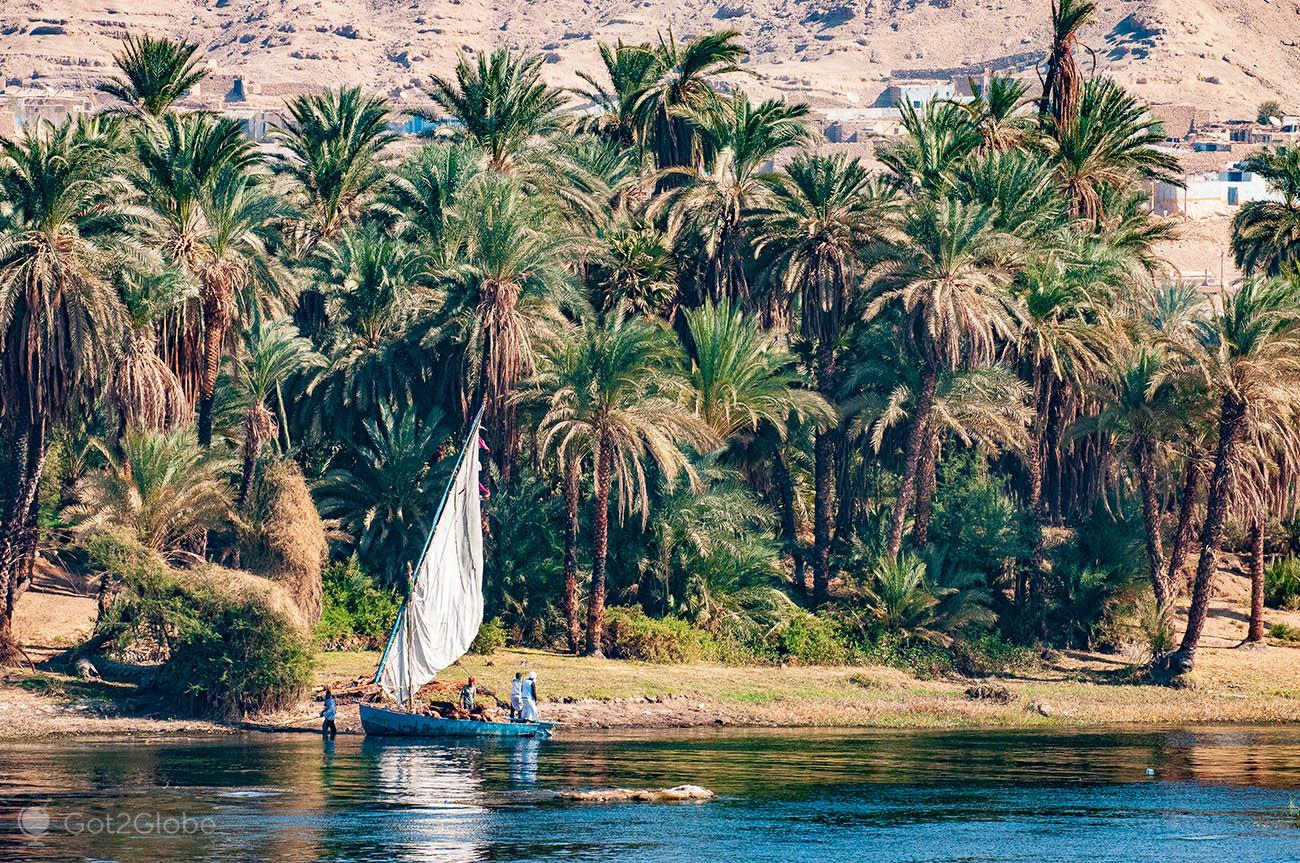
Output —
(180, 159)
(635, 271)
(272, 352)
(985, 407)
(512, 279)
(1144, 412)
(237, 269)
(1107, 145)
(376, 296)
(939, 140)
(1266, 234)
(384, 497)
(419, 200)
(997, 111)
(1061, 83)
(64, 230)
(155, 74)
(145, 392)
(631, 69)
(823, 213)
(161, 486)
(950, 286)
(713, 206)
(501, 103)
(618, 390)
(683, 87)
(743, 377)
(1249, 356)
(334, 144)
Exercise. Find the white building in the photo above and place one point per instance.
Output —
(918, 94)
(1211, 193)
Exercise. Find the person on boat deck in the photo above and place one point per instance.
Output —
(328, 713)
(529, 707)
(468, 694)
(517, 695)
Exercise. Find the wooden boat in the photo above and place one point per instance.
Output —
(383, 722)
(440, 616)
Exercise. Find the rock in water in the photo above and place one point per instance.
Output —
(640, 795)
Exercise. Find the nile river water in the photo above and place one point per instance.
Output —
(1222, 795)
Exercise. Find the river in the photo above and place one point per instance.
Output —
(1229, 795)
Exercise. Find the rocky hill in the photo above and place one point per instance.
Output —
(1224, 55)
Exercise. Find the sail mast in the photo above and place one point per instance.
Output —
(404, 612)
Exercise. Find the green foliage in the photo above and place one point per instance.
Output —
(631, 634)
(1285, 632)
(976, 519)
(523, 564)
(355, 612)
(1081, 597)
(987, 653)
(1267, 111)
(491, 637)
(228, 647)
(811, 640)
(1282, 584)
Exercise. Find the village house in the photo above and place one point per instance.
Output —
(1209, 186)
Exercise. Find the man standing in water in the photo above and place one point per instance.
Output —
(327, 728)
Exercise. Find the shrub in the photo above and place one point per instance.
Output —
(231, 643)
(285, 538)
(631, 634)
(923, 659)
(1282, 584)
(1285, 632)
(812, 640)
(491, 637)
(989, 654)
(355, 612)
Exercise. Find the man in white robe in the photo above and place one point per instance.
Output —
(517, 696)
(529, 708)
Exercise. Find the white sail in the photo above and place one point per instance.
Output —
(445, 609)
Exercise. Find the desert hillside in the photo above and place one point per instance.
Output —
(1224, 55)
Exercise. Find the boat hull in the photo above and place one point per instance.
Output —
(382, 722)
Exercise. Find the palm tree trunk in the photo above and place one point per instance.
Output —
(1183, 532)
(250, 463)
(789, 527)
(926, 484)
(823, 479)
(1144, 461)
(1232, 419)
(571, 489)
(1032, 582)
(28, 464)
(599, 547)
(912, 458)
(213, 338)
(1255, 633)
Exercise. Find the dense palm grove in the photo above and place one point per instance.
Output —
(787, 403)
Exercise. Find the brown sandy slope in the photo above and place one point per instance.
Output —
(1223, 55)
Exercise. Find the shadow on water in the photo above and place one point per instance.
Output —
(785, 795)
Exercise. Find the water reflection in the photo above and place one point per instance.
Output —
(987, 796)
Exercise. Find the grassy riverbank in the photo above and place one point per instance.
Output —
(1231, 684)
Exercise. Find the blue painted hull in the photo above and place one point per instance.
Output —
(382, 722)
